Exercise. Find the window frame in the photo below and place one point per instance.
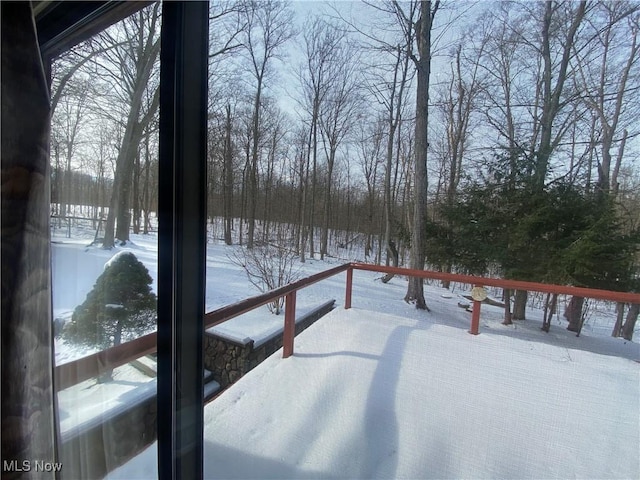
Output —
(181, 209)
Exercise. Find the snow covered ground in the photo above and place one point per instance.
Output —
(385, 391)
(373, 395)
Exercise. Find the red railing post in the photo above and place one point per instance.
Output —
(347, 298)
(478, 294)
(475, 318)
(289, 324)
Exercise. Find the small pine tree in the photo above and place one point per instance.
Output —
(120, 307)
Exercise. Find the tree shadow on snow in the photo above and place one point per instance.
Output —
(559, 336)
(380, 430)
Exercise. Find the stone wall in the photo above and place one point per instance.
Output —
(229, 360)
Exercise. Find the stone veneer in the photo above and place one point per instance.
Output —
(229, 360)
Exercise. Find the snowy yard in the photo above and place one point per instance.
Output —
(386, 391)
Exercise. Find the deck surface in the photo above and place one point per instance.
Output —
(369, 395)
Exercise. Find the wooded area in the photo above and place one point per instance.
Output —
(494, 138)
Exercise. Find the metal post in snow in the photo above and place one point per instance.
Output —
(289, 324)
(347, 299)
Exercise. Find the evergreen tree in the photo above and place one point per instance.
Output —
(602, 254)
(560, 234)
(120, 307)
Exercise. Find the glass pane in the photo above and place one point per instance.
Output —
(104, 154)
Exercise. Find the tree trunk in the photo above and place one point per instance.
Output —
(66, 193)
(314, 178)
(107, 375)
(304, 184)
(617, 328)
(55, 187)
(630, 322)
(393, 121)
(394, 258)
(447, 269)
(120, 197)
(243, 191)
(123, 221)
(520, 305)
(146, 195)
(324, 238)
(117, 338)
(573, 314)
(268, 186)
(136, 194)
(119, 217)
(253, 168)
(415, 290)
(124, 167)
(549, 309)
(508, 320)
(227, 184)
(551, 104)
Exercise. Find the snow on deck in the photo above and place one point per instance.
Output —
(87, 404)
(373, 395)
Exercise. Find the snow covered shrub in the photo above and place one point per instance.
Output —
(268, 267)
(120, 307)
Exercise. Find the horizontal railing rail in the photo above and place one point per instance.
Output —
(228, 312)
(76, 371)
(91, 366)
(614, 296)
(625, 297)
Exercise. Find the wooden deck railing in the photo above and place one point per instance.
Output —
(624, 297)
(74, 372)
(69, 374)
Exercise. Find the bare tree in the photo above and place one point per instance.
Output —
(301, 173)
(369, 152)
(388, 42)
(426, 11)
(554, 78)
(133, 66)
(103, 154)
(630, 322)
(67, 123)
(457, 103)
(227, 175)
(268, 267)
(268, 27)
(338, 114)
(395, 104)
(275, 133)
(322, 41)
(66, 68)
(607, 72)
(501, 84)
